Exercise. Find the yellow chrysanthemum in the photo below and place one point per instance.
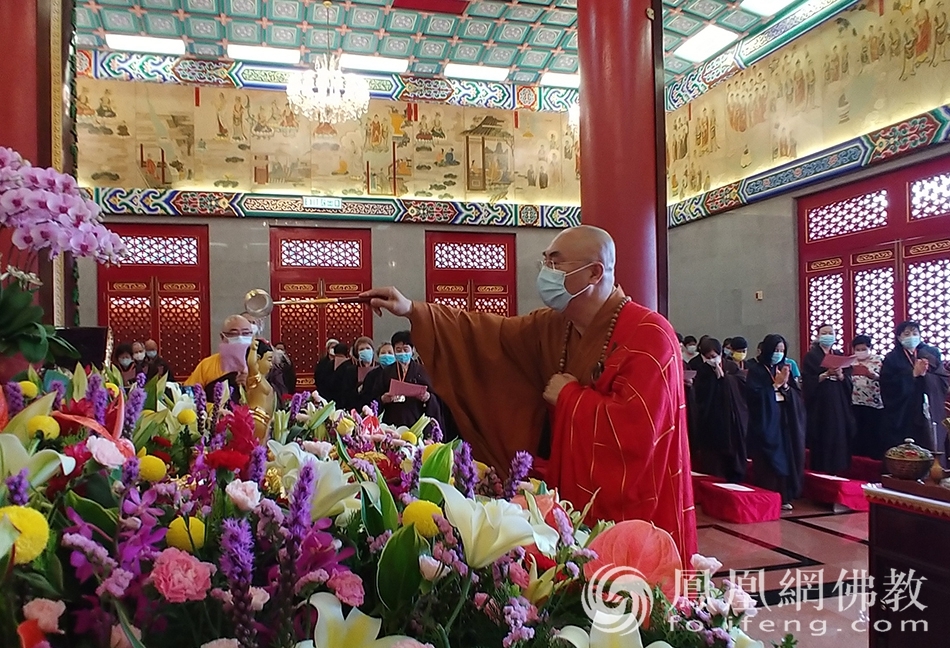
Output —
(345, 426)
(482, 469)
(113, 389)
(429, 449)
(420, 513)
(187, 417)
(45, 425)
(29, 389)
(141, 453)
(188, 536)
(409, 437)
(152, 468)
(34, 532)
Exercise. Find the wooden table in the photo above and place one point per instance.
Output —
(909, 532)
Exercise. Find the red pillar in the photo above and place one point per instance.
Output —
(21, 70)
(622, 138)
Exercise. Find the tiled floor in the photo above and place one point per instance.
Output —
(808, 544)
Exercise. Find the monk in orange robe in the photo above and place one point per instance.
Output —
(606, 372)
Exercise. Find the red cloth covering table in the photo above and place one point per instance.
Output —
(865, 469)
(739, 503)
(837, 491)
(699, 478)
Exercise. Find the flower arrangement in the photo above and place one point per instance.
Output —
(154, 518)
(47, 215)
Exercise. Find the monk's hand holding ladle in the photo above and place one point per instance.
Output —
(388, 299)
(555, 385)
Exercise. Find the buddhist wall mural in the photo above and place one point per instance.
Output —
(148, 135)
(875, 65)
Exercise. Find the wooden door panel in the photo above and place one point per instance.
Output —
(474, 272)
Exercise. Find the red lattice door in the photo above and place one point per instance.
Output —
(310, 262)
(475, 272)
(160, 291)
(877, 252)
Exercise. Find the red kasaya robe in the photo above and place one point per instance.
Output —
(623, 433)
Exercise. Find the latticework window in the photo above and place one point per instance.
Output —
(345, 322)
(306, 253)
(298, 330)
(826, 303)
(161, 250)
(455, 302)
(180, 324)
(857, 214)
(471, 256)
(496, 305)
(930, 197)
(874, 305)
(928, 300)
(130, 318)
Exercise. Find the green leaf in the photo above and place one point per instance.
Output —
(371, 512)
(80, 383)
(437, 466)
(34, 350)
(8, 536)
(154, 391)
(387, 504)
(398, 576)
(94, 513)
(420, 426)
(38, 583)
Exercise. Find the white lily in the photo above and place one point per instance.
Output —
(600, 639)
(280, 425)
(488, 530)
(333, 485)
(545, 537)
(357, 630)
(39, 466)
(742, 640)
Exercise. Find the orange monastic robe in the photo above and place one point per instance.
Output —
(624, 433)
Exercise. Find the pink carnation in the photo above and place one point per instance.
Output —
(348, 587)
(45, 612)
(245, 494)
(519, 575)
(180, 577)
(105, 452)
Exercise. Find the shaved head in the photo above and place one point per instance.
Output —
(586, 244)
(237, 325)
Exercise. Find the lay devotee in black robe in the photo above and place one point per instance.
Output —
(911, 373)
(776, 437)
(404, 410)
(721, 416)
(830, 429)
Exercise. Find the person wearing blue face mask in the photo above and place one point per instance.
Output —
(237, 333)
(914, 387)
(396, 407)
(831, 427)
(776, 433)
(354, 376)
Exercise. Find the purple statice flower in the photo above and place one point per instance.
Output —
(270, 520)
(466, 475)
(201, 406)
(14, 395)
(98, 395)
(564, 527)
(435, 431)
(409, 481)
(365, 467)
(297, 525)
(133, 409)
(518, 614)
(89, 558)
(115, 584)
(130, 471)
(585, 554)
(141, 380)
(318, 577)
(450, 558)
(257, 465)
(445, 530)
(296, 402)
(60, 390)
(377, 544)
(18, 487)
(237, 565)
(572, 569)
(520, 467)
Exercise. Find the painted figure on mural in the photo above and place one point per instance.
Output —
(910, 53)
(83, 109)
(940, 35)
(238, 113)
(924, 33)
(261, 128)
(220, 115)
(437, 131)
(105, 108)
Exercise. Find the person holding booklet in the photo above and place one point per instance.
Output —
(826, 378)
(404, 389)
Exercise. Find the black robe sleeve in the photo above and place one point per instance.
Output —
(830, 420)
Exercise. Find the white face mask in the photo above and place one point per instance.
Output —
(138, 357)
(862, 355)
(691, 349)
(240, 339)
(714, 361)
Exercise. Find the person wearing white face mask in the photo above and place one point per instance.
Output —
(601, 374)
(866, 399)
(720, 416)
(237, 334)
(830, 428)
(122, 358)
(156, 365)
(914, 387)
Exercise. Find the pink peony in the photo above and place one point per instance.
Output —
(245, 494)
(105, 452)
(222, 643)
(117, 638)
(45, 612)
(178, 576)
(348, 587)
(519, 575)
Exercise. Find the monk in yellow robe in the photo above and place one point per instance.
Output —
(604, 371)
(238, 331)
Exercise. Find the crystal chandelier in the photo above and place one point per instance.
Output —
(326, 94)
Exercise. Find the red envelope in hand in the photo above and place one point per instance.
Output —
(832, 361)
(409, 390)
